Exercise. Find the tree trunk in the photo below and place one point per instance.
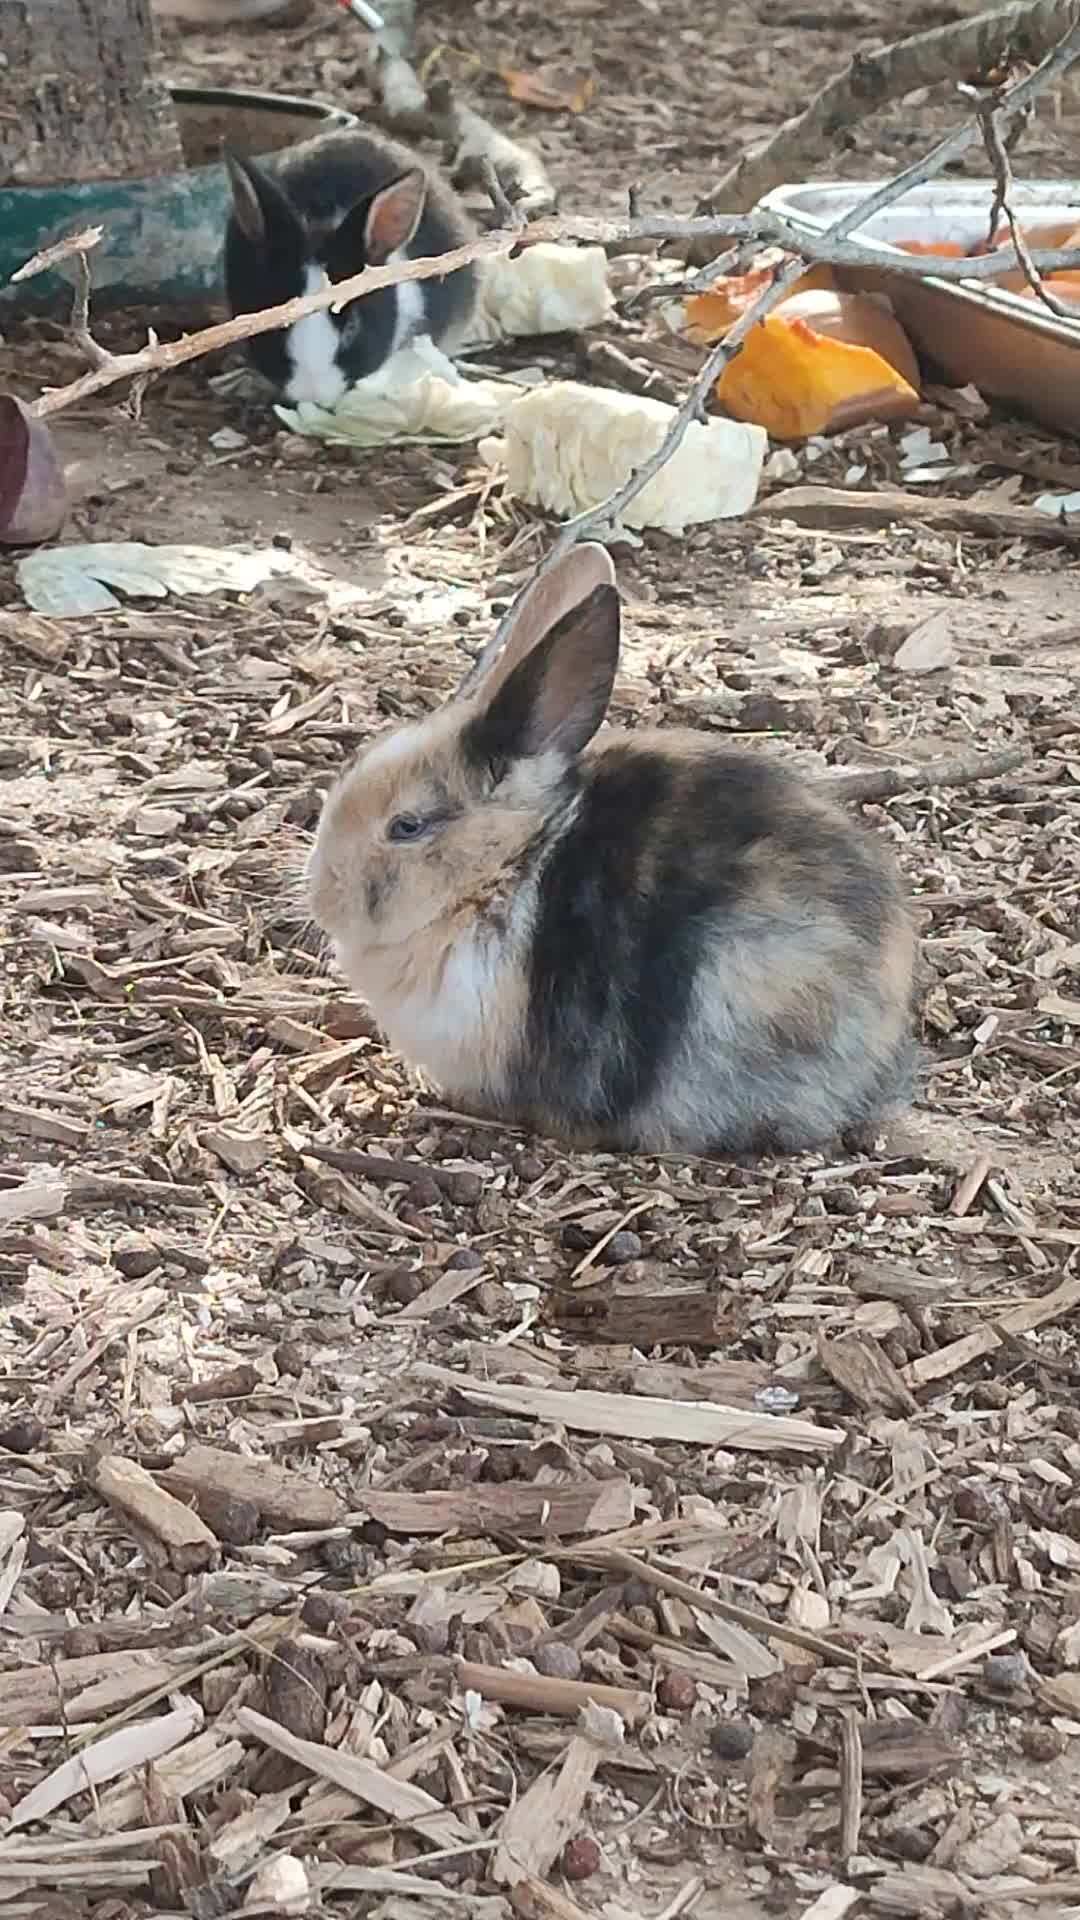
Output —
(81, 96)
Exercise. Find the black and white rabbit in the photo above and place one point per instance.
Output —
(644, 940)
(320, 214)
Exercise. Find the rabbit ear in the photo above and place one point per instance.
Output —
(556, 697)
(383, 223)
(537, 608)
(263, 209)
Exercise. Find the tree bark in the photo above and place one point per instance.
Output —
(81, 95)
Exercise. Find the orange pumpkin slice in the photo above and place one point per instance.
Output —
(709, 315)
(821, 362)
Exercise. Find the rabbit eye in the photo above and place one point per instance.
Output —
(407, 826)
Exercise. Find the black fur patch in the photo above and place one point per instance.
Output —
(630, 899)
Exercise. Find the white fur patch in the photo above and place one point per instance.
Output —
(312, 345)
(411, 312)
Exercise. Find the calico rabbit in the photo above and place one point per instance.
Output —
(644, 941)
(321, 213)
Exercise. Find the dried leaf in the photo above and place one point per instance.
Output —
(554, 89)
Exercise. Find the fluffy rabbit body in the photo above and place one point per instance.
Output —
(326, 211)
(647, 942)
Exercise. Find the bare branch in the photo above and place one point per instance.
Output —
(885, 783)
(773, 230)
(159, 357)
(765, 229)
(74, 243)
(874, 79)
(478, 153)
(993, 123)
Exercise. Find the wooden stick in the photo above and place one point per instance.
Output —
(631, 1567)
(984, 1339)
(537, 1693)
(633, 1417)
(458, 1182)
(835, 509)
(851, 1783)
(769, 229)
(398, 1799)
(535, 1900)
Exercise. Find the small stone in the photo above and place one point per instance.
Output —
(979, 1503)
(993, 1395)
(321, 1611)
(677, 1691)
(621, 1249)
(557, 1660)
(913, 1843)
(424, 1191)
(24, 1435)
(464, 1260)
(580, 1858)
(135, 1258)
(341, 1556)
(403, 1286)
(468, 1188)
(644, 1617)
(528, 1168)
(1043, 1743)
(731, 1740)
(774, 1695)
(575, 1239)
(842, 1200)
(1005, 1672)
(289, 1357)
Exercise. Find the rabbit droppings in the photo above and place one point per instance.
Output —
(329, 209)
(653, 943)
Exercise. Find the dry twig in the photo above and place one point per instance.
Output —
(884, 783)
(872, 80)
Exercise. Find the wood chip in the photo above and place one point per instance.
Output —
(536, 1828)
(591, 1506)
(284, 1499)
(188, 1542)
(861, 1369)
(537, 1693)
(636, 1418)
(116, 1753)
(371, 1785)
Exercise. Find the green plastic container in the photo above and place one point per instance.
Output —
(163, 235)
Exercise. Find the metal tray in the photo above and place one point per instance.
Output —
(1010, 348)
